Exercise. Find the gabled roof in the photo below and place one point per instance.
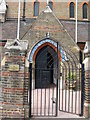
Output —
(47, 22)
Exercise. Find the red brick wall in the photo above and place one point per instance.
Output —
(60, 9)
(15, 86)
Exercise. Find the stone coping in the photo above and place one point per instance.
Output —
(17, 44)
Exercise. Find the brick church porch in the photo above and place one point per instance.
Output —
(36, 33)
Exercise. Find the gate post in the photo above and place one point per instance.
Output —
(82, 83)
(30, 89)
(82, 89)
(14, 91)
(87, 80)
(57, 85)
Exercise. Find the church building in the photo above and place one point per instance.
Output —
(45, 68)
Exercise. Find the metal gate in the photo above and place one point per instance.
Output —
(56, 83)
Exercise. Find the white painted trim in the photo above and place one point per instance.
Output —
(87, 104)
(47, 2)
(38, 45)
(18, 29)
(76, 23)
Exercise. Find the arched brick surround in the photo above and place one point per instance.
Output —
(41, 46)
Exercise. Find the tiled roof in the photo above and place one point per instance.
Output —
(9, 29)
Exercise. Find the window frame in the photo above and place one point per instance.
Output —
(72, 13)
(50, 2)
(83, 12)
(34, 8)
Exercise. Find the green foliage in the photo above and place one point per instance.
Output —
(71, 76)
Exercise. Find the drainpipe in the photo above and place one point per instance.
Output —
(23, 17)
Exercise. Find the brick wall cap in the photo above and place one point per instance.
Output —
(2, 6)
(17, 44)
(85, 60)
(87, 104)
(87, 47)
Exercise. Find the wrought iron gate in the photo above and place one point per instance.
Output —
(71, 83)
(56, 83)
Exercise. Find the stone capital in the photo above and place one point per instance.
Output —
(21, 45)
(87, 48)
(2, 6)
(3, 9)
(87, 56)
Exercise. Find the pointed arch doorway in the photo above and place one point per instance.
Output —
(43, 79)
(56, 80)
(44, 64)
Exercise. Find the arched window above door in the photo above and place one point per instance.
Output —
(36, 8)
(71, 10)
(85, 6)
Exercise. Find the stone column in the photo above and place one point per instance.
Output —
(87, 80)
(13, 80)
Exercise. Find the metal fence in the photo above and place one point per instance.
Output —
(56, 83)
